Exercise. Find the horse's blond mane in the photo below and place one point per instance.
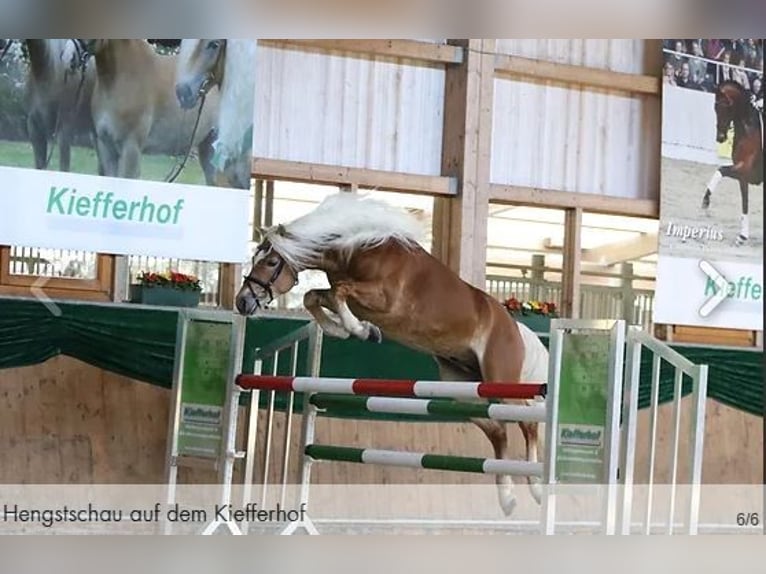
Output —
(343, 222)
(237, 97)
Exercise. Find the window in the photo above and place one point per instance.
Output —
(525, 259)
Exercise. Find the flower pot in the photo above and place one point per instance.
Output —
(165, 296)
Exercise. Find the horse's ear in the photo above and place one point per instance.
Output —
(257, 234)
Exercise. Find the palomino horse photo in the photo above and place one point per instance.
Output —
(227, 65)
(112, 107)
(52, 95)
(733, 107)
(135, 110)
(384, 284)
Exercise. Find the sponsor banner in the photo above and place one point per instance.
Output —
(582, 401)
(123, 216)
(203, 387)
(127, 146)
(710, 256)
(686, 289)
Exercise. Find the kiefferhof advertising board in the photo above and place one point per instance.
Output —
(131, 147)
(710, 259)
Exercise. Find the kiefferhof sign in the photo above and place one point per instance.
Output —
(122, 216)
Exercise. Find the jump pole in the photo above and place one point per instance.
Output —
(408, 397)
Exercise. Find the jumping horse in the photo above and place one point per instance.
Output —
(229, 65)
(135, 110)
(732, 106)
(382, 283)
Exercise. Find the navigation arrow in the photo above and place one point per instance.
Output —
(721, 284)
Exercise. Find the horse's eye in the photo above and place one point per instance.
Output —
(213, 44)
(272, 262)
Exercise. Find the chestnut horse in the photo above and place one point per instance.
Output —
(382, 283)
(135, 110)
(732, 106)
(229, 65)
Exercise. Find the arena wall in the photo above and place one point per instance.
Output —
(65, 421)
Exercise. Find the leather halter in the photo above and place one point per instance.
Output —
(265, 285)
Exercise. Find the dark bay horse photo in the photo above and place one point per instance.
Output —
(135, 110)
(384, 284)
(733, 107)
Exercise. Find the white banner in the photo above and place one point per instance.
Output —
(122, 216)
(686, 290)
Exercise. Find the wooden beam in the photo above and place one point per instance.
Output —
(229, 277)
(506, 65)
(460, 223)
(268, 209)
(611, 253)
(410, 49)
(570, 275)
(592, 202)
(361, 177)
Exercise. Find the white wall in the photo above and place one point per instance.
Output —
(351, 110)
(689, 125)
(576, 139)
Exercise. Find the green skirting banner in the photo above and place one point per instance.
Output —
(139, 342)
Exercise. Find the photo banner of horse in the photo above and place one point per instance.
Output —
(710, 257)
(131, 147)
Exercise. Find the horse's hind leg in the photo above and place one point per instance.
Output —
(65, 147)
(499, 361)
(494, 431)
(107, 154)
(38, 137)
(529, 430)
(744, 224)
(129, 165)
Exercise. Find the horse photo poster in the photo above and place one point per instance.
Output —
(129, 147)
(710, 257)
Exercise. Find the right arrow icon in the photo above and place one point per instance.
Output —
(722, 285)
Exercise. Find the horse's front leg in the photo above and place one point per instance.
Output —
(315, 301)
(367, 295)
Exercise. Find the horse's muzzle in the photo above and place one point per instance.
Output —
(247, 305)
(186, 96)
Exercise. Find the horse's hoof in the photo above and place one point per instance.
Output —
(706, 200)
(741, 240)
(508, 505)
(536, 489)
(374, 334)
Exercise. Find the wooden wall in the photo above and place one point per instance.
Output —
(68, 422)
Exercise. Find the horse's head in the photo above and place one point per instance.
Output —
(270, 276)
(200, 66)
(729, 100)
